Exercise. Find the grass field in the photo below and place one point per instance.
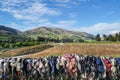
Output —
(103, 49)
(24, 50)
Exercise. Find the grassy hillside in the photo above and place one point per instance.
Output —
(9, 37)
(7, 33)
(11, 30)
(57, 33)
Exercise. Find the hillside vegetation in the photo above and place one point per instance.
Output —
(12, 38)
(8, 33)
(58, 33)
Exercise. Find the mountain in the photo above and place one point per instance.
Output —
(48, 32)
(8, 33)
(8, 29)
(44, 32)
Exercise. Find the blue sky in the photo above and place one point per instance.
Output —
(92, 16)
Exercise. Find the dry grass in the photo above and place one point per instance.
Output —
(24, 50)
(88, 49)
(84, 48)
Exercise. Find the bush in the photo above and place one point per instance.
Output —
(6, 45)
(19, 44)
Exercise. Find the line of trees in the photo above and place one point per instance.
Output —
(17, 44)
(57, 40)
(14, 42)
(112, 38)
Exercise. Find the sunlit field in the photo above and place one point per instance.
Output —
(23, 50)
(104, 49)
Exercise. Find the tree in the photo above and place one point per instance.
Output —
(12, 46)
(40, 39)
(104, 37)
(29, 39)
(18, 44)
(97, 38)
(110, 38)
(12, 40)
(6, 45)
(117, 37)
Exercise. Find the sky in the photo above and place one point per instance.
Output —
(91, 16)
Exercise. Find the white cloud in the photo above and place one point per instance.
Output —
(113, 32)
(27, 10)
(67, 23)
(61, 24)
(32, 13)
(96, 6)
(26, 25)
(62, 1)
(15, 26)
(68, 3)
(101, 28)
(49, 24)
(72, 15)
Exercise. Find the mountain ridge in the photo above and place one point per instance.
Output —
(47, 32)
(12, 30)
(9, 33)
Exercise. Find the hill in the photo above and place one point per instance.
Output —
(11, 30)
(44, 33)
(9, 33)
(48, 32)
